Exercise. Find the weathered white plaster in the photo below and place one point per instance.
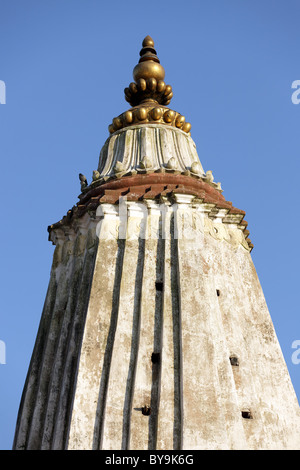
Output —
(194, 300)
(128, 148)
(147, 302)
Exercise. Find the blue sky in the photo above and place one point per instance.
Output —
(65, 64)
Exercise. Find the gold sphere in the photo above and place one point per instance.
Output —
(128, 116)
(141, 83)
(117, 123)
(141, 114)
(168, 90)
(169, 115)
(161, 86)
(156, 113)
(179, 121)
(169, 96)
(187, 127)
(148, 69)
(151, 84)
(111, 129)
(127, 93)
(133, 87)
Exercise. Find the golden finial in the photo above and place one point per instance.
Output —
(148, 77)
(148, 95)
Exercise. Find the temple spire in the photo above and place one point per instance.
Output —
(155, 334)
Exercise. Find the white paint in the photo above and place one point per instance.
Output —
(159, 143)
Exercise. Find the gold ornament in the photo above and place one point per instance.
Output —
(149, 95)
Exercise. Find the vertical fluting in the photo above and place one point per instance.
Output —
(134, 343)
(159, 143)
(209, 406)
(56, 378)
(34, 371)
(202, 341)
(120, 383)
(176, 317)
(227, 286)
(107, 353)
(65, 408)
(45, 383)
(157, 346)
(136, 320)
(145, 399)
(61, 299)
(169, 410)
(71, 339)
(92, 346)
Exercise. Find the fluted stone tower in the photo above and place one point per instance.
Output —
(155, 333)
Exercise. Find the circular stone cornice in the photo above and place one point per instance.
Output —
(156, 187)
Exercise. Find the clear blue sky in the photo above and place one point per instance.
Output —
(66, 63)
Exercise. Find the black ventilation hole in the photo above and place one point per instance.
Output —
(155, 358)
(234, 361)
(246, 414)
(159, 286)
(146, 410)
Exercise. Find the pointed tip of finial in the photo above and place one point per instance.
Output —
(148, 52)
(148, 42)
(149, 64)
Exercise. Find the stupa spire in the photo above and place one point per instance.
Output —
(155, 333)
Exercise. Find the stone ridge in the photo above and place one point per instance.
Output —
(154, 186)
(151, 147)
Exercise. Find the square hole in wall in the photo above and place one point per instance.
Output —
(234, 361)
(159, 286)
(246, 414)
(146, 410)
(155, 357)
